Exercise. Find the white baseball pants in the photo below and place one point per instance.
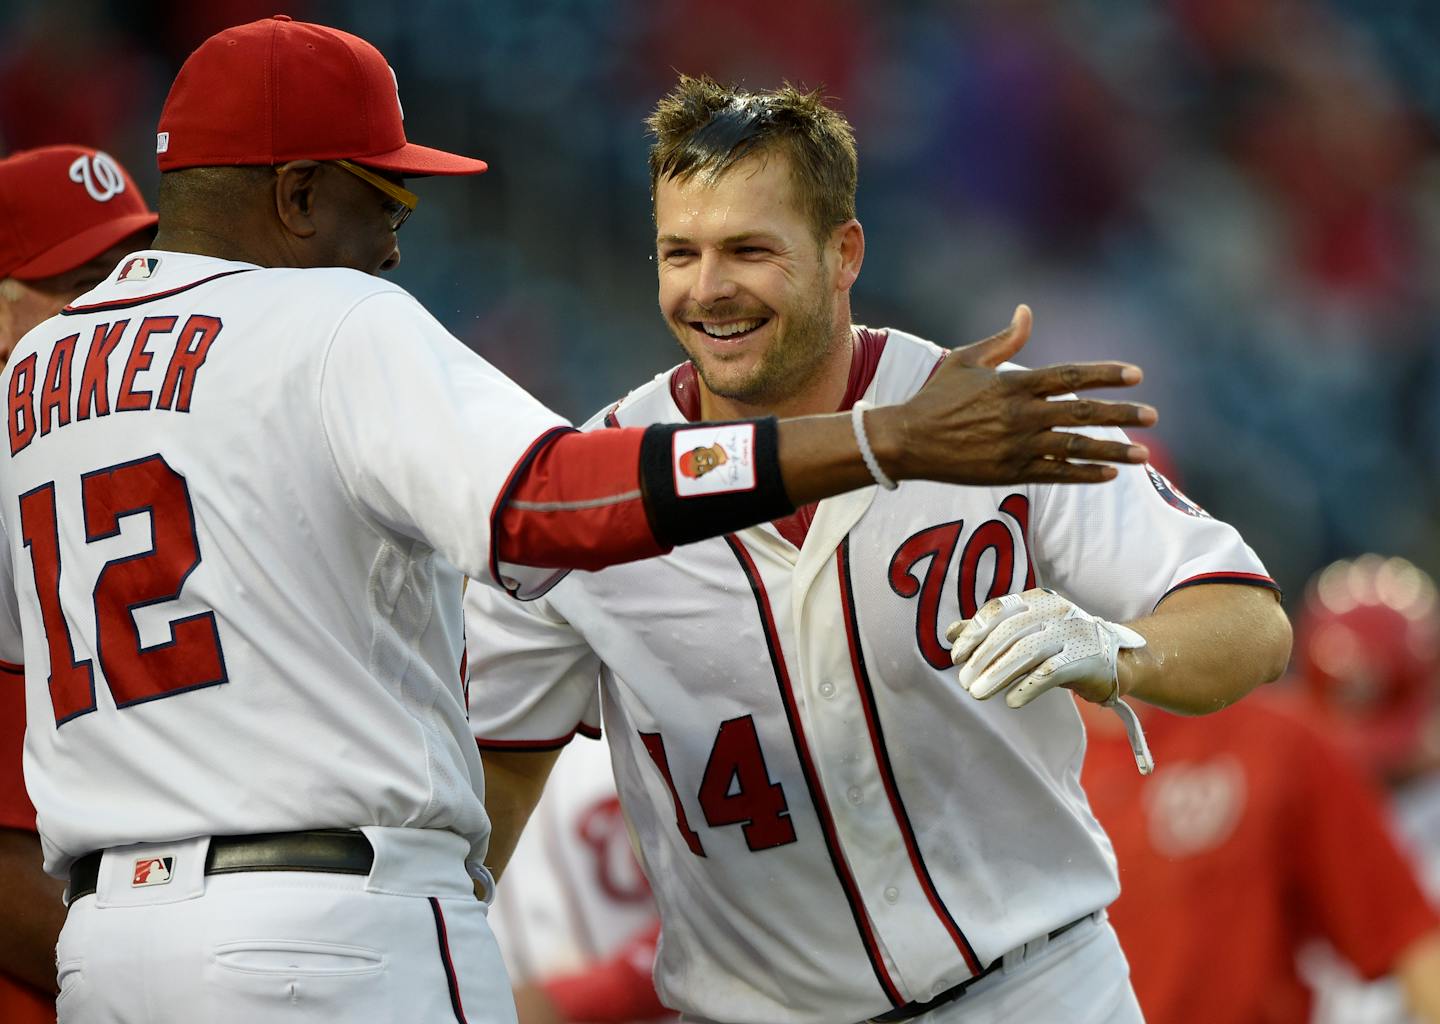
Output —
(408, 944)
(1081, 977)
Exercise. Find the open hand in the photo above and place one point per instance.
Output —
(975, 424)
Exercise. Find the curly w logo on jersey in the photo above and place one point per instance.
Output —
(994, 560)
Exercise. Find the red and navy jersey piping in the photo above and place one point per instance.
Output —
(1248, 579)
(847, 881)
(585, 729)
(887, 770)
(452, 983)
(104, 307)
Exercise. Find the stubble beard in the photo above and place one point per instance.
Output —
(784, 370)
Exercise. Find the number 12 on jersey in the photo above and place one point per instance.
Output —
(735, 789)
(192, 657)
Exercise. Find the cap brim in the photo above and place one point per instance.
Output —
(84, 247)
(418, 161)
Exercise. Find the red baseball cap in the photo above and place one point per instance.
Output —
(279, 90)
(1367, 650)
(61, 206)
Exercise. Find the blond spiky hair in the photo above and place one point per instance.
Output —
(704, 128)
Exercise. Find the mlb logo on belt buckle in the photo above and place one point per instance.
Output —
(152, 871)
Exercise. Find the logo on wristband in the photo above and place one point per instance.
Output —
(714, 460)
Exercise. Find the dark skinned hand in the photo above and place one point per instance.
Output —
(975, 424)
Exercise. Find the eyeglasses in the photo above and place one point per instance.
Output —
(403, 201)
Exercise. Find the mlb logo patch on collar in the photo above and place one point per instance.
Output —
(139, 269)
(152, 871)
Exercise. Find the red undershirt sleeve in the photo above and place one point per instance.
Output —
(575, 502)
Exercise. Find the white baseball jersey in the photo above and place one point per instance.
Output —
(573, 893)
(832, 827)
(236, 512)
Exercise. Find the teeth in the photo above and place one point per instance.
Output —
(726, 330)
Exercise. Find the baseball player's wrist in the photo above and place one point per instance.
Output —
(885, 428)
(1133, 667)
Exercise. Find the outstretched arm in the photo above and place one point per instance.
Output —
(1204, 647)
(594, 499)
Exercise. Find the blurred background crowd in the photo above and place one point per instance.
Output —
(1243, 197)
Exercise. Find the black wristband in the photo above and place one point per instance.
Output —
(702, 480)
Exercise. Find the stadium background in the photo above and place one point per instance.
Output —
(1244, 198)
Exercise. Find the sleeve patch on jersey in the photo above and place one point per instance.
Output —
(1172, 495)
(714, 460)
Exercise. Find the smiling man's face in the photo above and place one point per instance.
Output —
(745, 286)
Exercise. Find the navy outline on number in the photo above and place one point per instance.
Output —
(54, 525)
(747, 825)
(129, 609)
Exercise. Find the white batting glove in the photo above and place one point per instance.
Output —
(1030, 643)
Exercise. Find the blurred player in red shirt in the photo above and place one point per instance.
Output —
(1257, 834)
(1367, 656)
(67, 216)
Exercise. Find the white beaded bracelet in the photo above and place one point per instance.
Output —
(857, 423)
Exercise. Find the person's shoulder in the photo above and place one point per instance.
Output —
(905, 361)
(339, 287)
(655, 401)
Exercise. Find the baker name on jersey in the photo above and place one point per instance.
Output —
(77, 383)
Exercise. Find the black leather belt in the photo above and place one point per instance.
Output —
(910, 1010)
(335, 851)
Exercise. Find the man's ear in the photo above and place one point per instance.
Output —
(295, 196)
(848, 243)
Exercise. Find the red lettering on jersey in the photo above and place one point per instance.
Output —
(655, 746)
(192, 658)
(196, 337)
(1017, 507)
(72, 680)
(21, 421)
(129, 399)
(736, 788)
(992, 535)
(95, 378)
(55, 395)
(936, 543)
